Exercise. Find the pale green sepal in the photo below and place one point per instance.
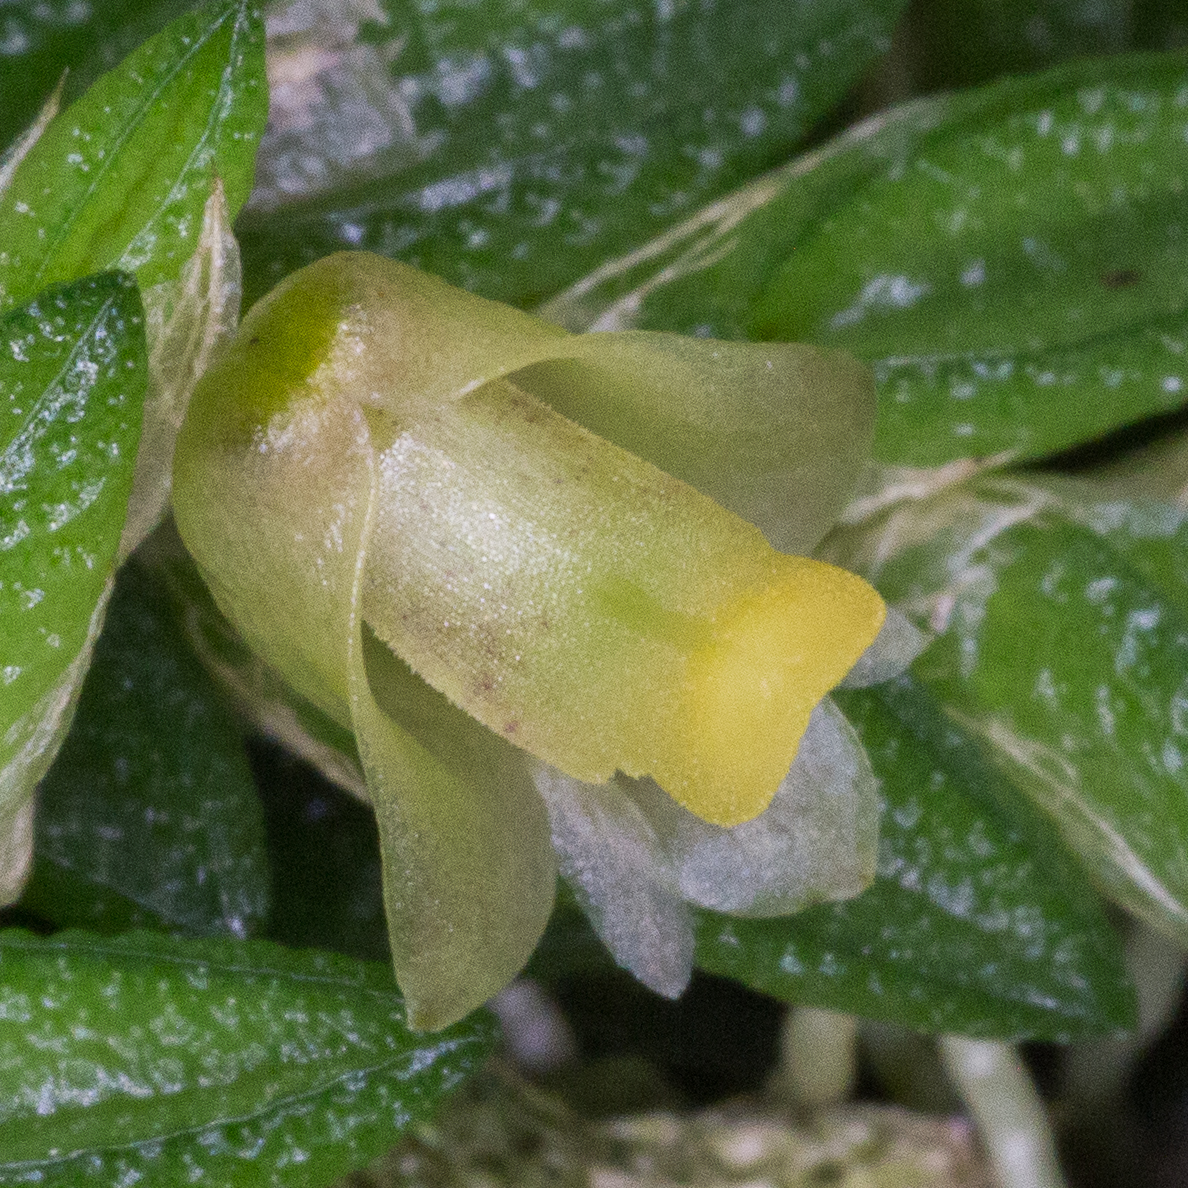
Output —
(778, 433)
(817, 842)
(469, 873)
(468, 870)
(185, 322)
(410, 337)
(619, 871)
(279, 555)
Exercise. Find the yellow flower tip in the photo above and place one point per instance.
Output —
(749, 693)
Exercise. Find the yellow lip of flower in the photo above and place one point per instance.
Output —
(749, 693)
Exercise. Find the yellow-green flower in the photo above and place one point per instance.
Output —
(414, 502)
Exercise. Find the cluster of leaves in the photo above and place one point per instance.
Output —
(1010, 261)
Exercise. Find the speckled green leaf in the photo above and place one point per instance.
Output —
(149, 815)
(511, 148)
(233, 1064)
(976, 922)
(119, 179)
(1011, 261)
(40, 39)
(1060, 649)
(72, 377)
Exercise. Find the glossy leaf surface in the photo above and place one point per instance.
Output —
(975, 922)
(150, 809)
(240, 1063)
(120, 178)
(72, 378)
(513, 148)
(1065, 656)
(1010, 261)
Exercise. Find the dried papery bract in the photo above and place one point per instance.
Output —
(369, 465)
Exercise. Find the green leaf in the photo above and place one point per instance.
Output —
(1161, 24)
(72, 377)
(229, 1063)
(959, 43)
(120, 178)
(150, 804)
(514, 148)
(43, 40)
(976, 923)
(1059, 651)
(1011, 261)
(325, 858)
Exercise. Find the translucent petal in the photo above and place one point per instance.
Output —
(816, 842)
(274, 493)
(897, 644)
(612, 858)
(778, 432)
(469, 872)
(598, 612)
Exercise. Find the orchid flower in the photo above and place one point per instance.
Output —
(536, 575)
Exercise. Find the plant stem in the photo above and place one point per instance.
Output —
(1009, 1114)
(817, 1064)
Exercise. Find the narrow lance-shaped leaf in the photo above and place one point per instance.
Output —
(144, 173)
(72, 379)
(1010, 261)
(511, 149)
(564, 592)
(119, 178)
(150, 814)
(239, 1063)
(1094, 733)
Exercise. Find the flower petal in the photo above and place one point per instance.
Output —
(274, 490)
(777, 432)
(469, 872)
(611, 857)
(816, 842)
(598, 612)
